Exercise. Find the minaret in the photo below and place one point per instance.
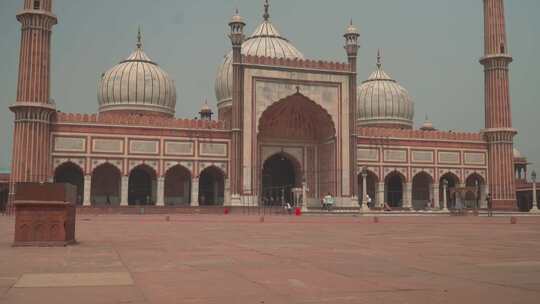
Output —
(498, 119)
(351, 47)
(237, 37)
(33, 108)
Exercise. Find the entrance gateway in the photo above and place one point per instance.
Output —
(297, 144)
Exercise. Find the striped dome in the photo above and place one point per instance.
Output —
(137, 85)
(265, 41)
(382, 102)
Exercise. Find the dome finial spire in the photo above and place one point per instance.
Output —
(139, 38)
(379, 63)
(266, 15)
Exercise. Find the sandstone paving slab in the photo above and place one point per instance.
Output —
(33, 280)
(78, 295)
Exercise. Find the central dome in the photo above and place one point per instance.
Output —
(264, 42)
(137, 85)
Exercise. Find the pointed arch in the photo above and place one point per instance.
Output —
(177, 185)
(71, 173)
(106, 183)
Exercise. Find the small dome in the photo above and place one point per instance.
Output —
(266, 42)
(427, 125)
(236, 18)
(382, 102)
(351, 29)
(137, 84)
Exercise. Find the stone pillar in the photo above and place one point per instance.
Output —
(227, 193)
(407, 199)
(436, 194)
(124, 191)
(380, 195)
(365, 207)
(483, 194)
(445, 197)
(195, 192)
(534, 198)
(160, 201)
(304, 196)
(87, 190)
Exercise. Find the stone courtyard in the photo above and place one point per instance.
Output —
(310, 259)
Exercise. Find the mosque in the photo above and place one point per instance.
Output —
(287, 127)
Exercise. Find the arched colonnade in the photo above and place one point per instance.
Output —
(105, 185)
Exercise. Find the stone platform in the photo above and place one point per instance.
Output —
(285, 259)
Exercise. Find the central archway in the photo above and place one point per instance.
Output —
(303, 128)
(279, 176)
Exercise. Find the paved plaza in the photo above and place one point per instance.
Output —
(309, 259)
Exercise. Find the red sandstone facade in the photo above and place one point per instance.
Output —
(284, 111)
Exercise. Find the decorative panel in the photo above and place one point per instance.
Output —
(179, 148)
(395, 155)
(366, 154)
(472, 158)
(448, 157)
(422, 156)
(213, 149)
(144, 146)
(107, 145)
(69, 144)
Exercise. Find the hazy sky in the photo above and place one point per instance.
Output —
(431, 47)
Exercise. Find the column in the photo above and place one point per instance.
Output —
(124, 191)
(534, 198)
(87, 190)
(304, 196)
(227, 193)
(160, 191)
(483, 194)
(365, 206)
(380, 195)
(436, 194)
(195, 192)
(407, 200)
(445, 198)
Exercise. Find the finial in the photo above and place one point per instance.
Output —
(350, 23)
(266, 15)
(298, 89)
(379, 64)
(139, 38)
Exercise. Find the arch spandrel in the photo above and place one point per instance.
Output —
(117, 163)
(371, 170)
(221, 167)
(401, 171)
(187, 165)
(153, 164)
(453, 172)
(78, 162)
(429, 171)
(481, 173)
